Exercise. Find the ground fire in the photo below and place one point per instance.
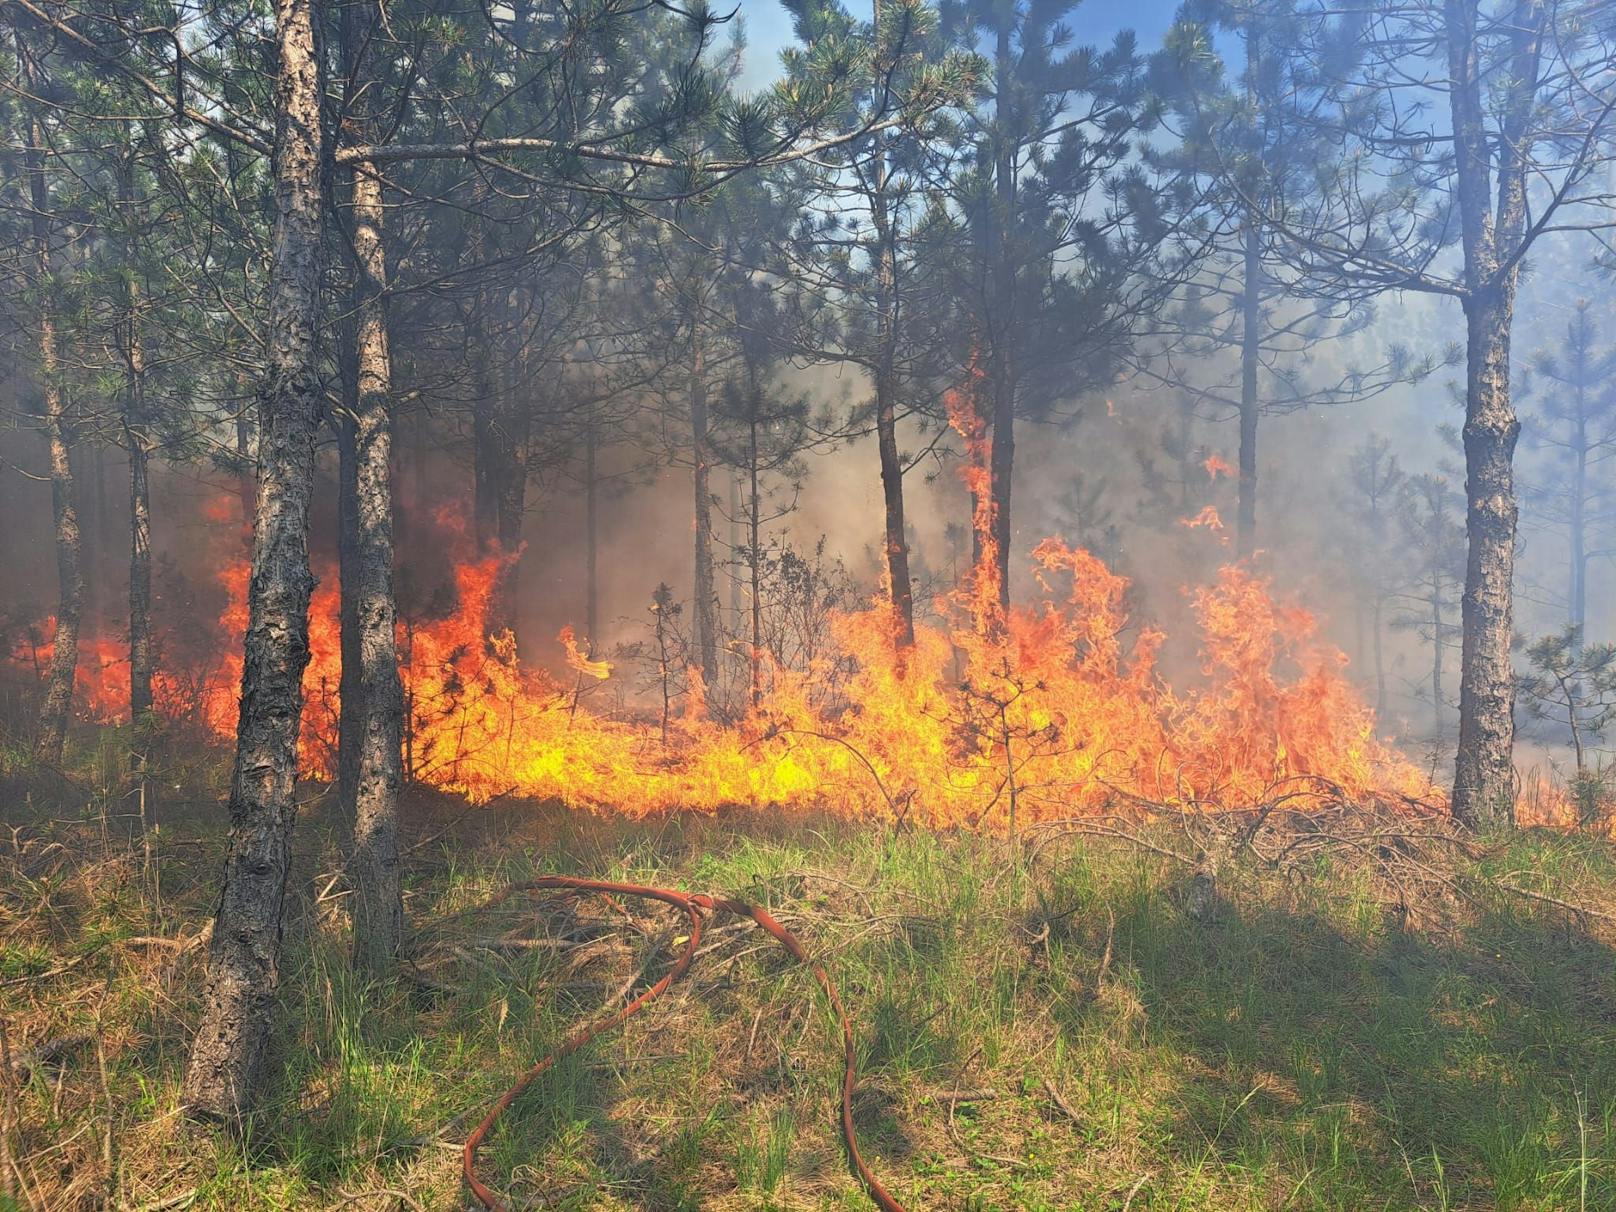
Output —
(797, 605)
(996, 718)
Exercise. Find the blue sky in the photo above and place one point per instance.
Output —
(768, 28)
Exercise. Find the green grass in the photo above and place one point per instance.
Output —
(1299, 1049)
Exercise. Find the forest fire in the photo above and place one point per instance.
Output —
(1032, 714)
(475, 474)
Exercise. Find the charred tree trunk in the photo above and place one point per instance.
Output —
(222, 1078)
(706, 592)
(375, 865)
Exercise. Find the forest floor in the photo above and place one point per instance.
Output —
(1355, 1013)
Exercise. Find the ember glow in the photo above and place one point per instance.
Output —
(1055, 709)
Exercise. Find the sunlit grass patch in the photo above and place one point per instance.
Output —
(1067, 1033)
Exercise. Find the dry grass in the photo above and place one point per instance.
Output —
(1347, 1012)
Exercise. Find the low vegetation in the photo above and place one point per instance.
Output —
(1322, 1013)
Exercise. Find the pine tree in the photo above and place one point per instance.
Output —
(1443, 124)
(1573, 429)
(1053, 220)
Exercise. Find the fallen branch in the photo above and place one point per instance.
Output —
(1059, 1099)
(694, 907)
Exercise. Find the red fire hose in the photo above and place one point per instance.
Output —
(693, 905)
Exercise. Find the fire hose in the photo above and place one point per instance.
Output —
(693, 905)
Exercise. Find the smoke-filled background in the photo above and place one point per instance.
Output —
(1125, 472)
(548, 393)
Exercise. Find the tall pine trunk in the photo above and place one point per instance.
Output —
(754, 544)
(58, 705)
(222, 1079)
(142, 653)
(499, 454)
(1250, 406)
(375, 865)
(1491, 234)
(1436, 654)
(1577, 595)
(350, 697)
(591, 540)
(1003, 322)
(1377, 622)
(706, 593)
(900, 590)
(1484, 782)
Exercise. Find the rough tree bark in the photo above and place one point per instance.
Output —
(58, 705)
(375, 864)
(1484, 782)
(1491, 232)
(222, 1078)
(142, 652)
(349, 695)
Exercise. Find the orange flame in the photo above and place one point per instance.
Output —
(578, 662)
(1050, 712)
(964, 407)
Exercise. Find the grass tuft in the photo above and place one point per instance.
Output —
(1069, 1032)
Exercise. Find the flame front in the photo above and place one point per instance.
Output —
(996, 716)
